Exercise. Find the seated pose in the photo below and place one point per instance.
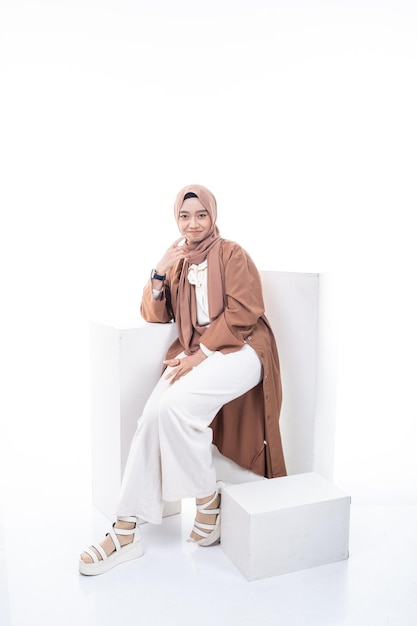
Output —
(220, 383)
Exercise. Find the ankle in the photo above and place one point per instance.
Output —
(123, 525)
(207, 499)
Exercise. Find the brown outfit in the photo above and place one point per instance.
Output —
(246, 430)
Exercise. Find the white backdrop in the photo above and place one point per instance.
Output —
(300, 116)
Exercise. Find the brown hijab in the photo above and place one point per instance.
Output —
(189, 332)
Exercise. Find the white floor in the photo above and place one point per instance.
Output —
(43, 528)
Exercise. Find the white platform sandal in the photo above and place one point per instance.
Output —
(209, 533)
(121, 554)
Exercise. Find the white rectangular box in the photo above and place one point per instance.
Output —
(125, 365)
(284, 524)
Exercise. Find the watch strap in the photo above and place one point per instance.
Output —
(156, 276)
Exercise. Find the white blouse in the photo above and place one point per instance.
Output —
(197, 275)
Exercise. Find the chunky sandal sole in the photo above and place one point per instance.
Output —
(127, 553)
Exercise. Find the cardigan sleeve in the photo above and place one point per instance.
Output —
(152, 310)
(244, 303)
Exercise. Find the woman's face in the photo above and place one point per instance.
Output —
(194, 220)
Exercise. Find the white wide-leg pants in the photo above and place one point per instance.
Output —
(170, 455)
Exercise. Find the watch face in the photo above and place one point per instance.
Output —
(157, 276)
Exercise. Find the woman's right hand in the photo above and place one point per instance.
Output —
(178, 250)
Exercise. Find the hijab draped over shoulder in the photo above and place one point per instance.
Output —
(189, 331)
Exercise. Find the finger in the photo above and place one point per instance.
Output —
(175, 377)
(179, 242)
(172, 362)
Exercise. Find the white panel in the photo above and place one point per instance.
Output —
(105, 417)
(125, 365)
(291, 304)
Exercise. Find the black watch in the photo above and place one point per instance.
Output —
(156, 276)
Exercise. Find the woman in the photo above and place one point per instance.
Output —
(221, 383)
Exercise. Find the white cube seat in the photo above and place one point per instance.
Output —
(126, 361)
(284, 524)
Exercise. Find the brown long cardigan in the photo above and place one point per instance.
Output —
(246, 430)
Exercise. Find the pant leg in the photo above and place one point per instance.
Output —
(141, 488)
(170, 456)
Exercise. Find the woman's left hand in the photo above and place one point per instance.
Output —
(181, 367)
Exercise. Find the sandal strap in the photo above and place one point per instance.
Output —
(200, 529)
(122, 531)
(125, 531)
(204, 526)
(100, 550)
(206, 530)
(91, 554)
(208, 511)
(115, 540)
(202, 508)
(200, 532)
